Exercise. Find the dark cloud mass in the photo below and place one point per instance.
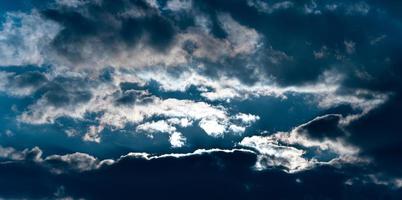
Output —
(200, 99)
(213, 175)
(109, 26)
(323, 127)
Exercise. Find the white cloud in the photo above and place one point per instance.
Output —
(215, 120)
(76, 161)
(288, 149)
(71, 3)
(154, 127)
(25, 38)
(324, 91)
(181, 155)
(272, 154)
(11, 153)
(179, 5)
(212, 127)
(237, 129)
(93, 134)
(182, 122)
(177, 140)
(243, 40)
(177, 112)
(247, 118)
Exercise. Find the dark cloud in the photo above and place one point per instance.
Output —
(109, 26)
(326, 126)
(64, 91)
(127, 98)
(29, 79)
(298, 34)
(379, 135)
(291, 37)
(213, 175)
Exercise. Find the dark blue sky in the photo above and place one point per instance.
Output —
(191, 99)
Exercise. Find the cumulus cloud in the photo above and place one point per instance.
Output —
(116, 108)
(318, 137)
(176, 139)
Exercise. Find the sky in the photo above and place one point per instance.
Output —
(200, 99)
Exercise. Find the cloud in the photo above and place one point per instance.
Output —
(25, 39)
(75, 97)
(179, 5)
(210, 168)
(327, 126)
(56, 163)
(322, 138)
(274, 155)
(199, 74)
(76, 161)
(93, 134)
(212, 127)
(270, 8)
(176, 139)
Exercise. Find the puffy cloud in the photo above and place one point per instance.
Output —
(25, 39)
(274, 155)
(159, 126)
(247, 118)
(243, 39)
(237, 129)
(128, 35)
(76, 161)
(93, 134)
(212, 127)
(176, 139)
(11, 153)
(322, 138)
(116, 107)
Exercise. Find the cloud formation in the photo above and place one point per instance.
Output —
(226, 99)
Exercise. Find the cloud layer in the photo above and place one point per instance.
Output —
(226, 99)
